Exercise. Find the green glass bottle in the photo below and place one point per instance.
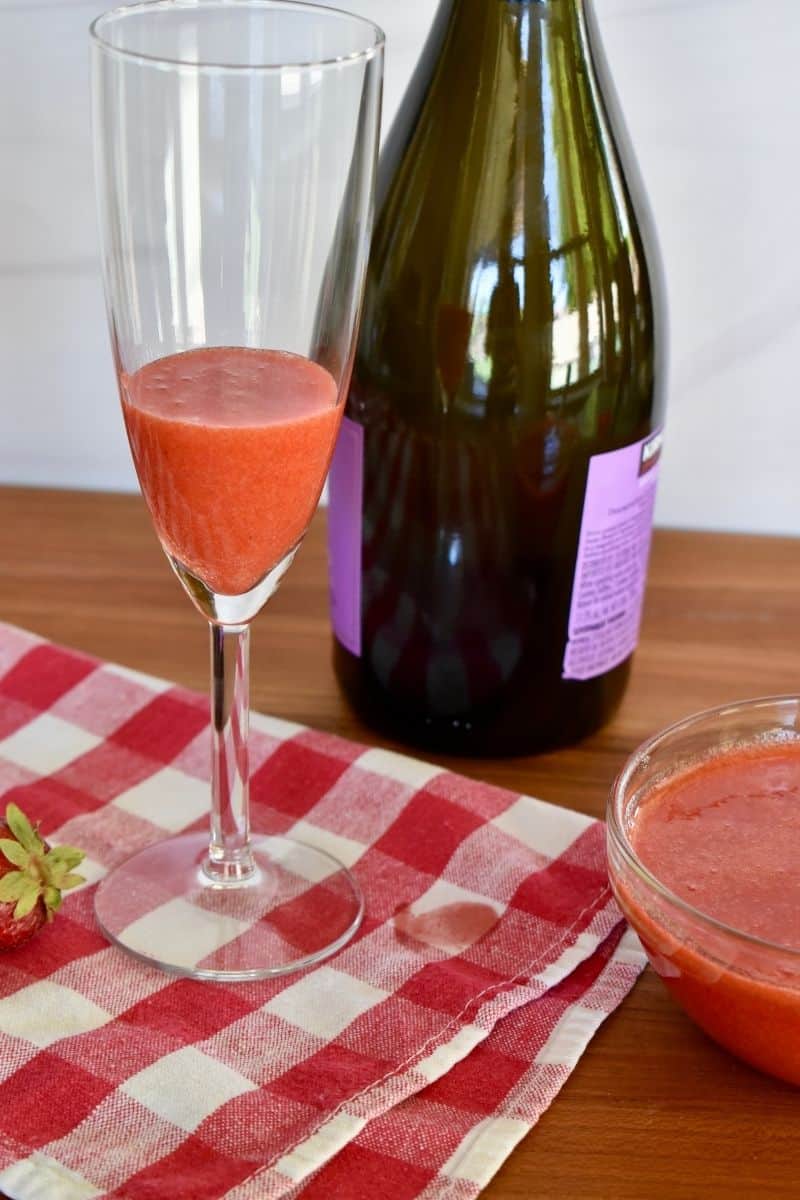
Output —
(492, 491)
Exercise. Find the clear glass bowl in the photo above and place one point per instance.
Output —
(742, 990)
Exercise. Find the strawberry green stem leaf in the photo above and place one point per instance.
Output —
(71, 881)
(65, 857)
(14, 853)
(12, 886)
(28, 900)
(22, 829)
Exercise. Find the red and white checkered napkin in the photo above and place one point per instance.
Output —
(409, 1065)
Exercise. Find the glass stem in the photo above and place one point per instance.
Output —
(230, 858)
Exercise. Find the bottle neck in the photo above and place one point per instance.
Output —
(486, 22)
(471, 44)
(455, 9)
(481, 17)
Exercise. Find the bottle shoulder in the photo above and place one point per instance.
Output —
(509, 279)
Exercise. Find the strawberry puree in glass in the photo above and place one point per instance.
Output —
(231, 446)
(724, 836)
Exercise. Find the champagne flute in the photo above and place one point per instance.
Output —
(235, 148)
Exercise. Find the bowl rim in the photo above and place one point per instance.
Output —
(618, 836)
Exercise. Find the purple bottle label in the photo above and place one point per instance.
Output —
(611, 567)
(345, 497)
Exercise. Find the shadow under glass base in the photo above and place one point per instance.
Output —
(300, 906)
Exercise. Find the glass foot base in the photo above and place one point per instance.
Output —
(299, 907)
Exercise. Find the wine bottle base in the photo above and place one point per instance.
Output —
(573, 710)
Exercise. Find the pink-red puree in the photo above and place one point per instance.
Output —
(231, 446)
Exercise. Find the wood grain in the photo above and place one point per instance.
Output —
(654, 1109)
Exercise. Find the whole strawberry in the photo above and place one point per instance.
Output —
(32, 878)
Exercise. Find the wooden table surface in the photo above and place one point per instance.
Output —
(653, 1109)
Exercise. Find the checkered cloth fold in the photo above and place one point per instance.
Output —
(409, 1065)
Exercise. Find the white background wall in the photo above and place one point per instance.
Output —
(711, 90)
